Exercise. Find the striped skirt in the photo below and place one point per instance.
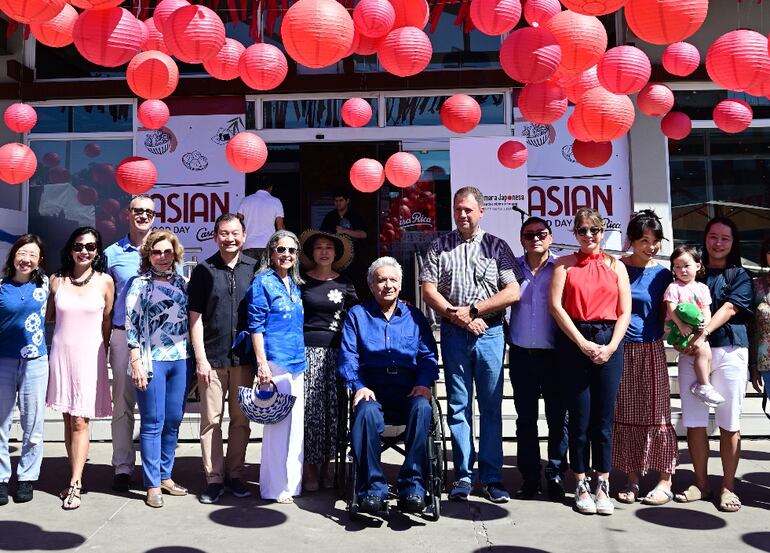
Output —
(644, 438)
(320, 404)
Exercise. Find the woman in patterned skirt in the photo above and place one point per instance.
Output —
(326, 295)
(759, 354)
(644, 437)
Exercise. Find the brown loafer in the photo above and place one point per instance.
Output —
(174, 489)
(155, 500)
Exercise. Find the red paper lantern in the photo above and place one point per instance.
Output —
(374, 18)
(59, 175)
(411, 13)
(655, 100)
(460, 113)
(537, 12)
(20, 117)
(317, 33)
(624, 70)
(224, 66)
(581, 84)
(681, 59)
(512, 154)
(246, 152)
(665, 21)
(136, 175)
(92, 149)
(164, 9)
(17, 163)
(530, 55)
(194, 33)
(582, 38)
(495, 17)
(603, 115)
(87, 195)
(108, 37)
(56, 32)
(152, 75)
(760, 89)
(676, 125)
(594, 7)
(154, 37)
(367, 175)
(51, 160)
(576, 129)
(591, 154)
(95, 4)
(367, 46)
(733, 115)
(542, 103)
(263, 66)
(738, 60)
(153, 114)
(356, 112)
(403, 169)
(31, 11)
(405, 51)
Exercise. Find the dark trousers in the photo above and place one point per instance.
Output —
(533, 374)
(590, 392)
(369, 422)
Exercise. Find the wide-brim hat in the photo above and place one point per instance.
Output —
(343, 249)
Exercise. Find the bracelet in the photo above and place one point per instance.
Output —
(706, 332)
(135, 360)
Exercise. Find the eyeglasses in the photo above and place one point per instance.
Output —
(89, 247)
(530, 236)
(158, 253)
(284, 249)
(139, 211)
(583, 231)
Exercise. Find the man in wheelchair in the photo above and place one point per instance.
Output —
(389, 361)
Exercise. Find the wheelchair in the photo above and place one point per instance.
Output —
(392, 438)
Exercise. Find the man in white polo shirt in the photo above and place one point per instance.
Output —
(263, 214)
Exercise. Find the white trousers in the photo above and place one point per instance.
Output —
(123, 403)
(280, 473)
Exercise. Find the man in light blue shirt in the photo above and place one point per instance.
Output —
(531, 336)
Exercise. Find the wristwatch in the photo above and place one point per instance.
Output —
(474, 311)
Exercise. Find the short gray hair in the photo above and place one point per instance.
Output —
(265, 262)
(385, 261)
(140, 197)
(469, 191)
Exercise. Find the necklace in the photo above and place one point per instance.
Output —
(82, 282)
(20, 288)
(162, 274)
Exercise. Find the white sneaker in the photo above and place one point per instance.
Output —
(707, 394)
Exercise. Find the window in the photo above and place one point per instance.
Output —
(302, 114)
(424, 110)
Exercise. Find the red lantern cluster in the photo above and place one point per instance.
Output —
(495, 17)
(317, 33)
(733, 115)
(512, 154)
(17, 163)
(367, 175)
(530, 55)
(403, 169)
(246, 152)
(460, 113)
(136, 175)
(356, 112)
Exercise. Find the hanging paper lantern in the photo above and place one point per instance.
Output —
(164, 9)
(665, 21)
(194, 33)
(20, 117)
(512, 154)
(403, 169)
(676, 125)
(581, 84)
(108, 37)
(738, 60)
(624, 70)
(582, 38)
(136, 175)
(411, 13)
(87, 195)
(537, 12)
(367, 46)
(733, 115)
(495, 17)
(356, 112)
(246, 152)
(681, 59)
(530, 55)
(59, 175)
(591, 154)
(603, 115)
(374, 18)
(594, 7)
(317, 33)
(56, 32)
(17, 163)
(153, 114)
(154, 37)
(262, 66)
(367, 175)
(31, 11)
(354, 45)
(760, 89)
(51, 160)
(542, 103)
(655, 100)
(405, 51)
(460, 113)
(152, 75)
(92, 149)
(95, 4)
(224, 66)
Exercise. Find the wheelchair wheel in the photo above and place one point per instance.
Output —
(438, 462)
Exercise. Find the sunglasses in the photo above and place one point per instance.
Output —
(158, 253)
(530, 236)
(139, 211)
(284, 249)
(89, 247)
(583, 231)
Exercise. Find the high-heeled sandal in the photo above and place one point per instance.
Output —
(72, 500)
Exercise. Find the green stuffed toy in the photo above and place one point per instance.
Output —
(689, 314)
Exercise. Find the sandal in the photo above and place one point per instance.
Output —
(658, 496)
(285, 500)
(71, 501)
(729, 502)
(693, 493)
(629, 493)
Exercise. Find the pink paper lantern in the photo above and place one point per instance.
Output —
(603, 115)
(542, 103)
(225, 65)
(17, 163)
(356, 112)
(403, 169)
(152, 75)
(760, 89)
(246, 152)
(405, 51)
(537, 12)
(411, 13)
(164, 9)
(194, 33)
(495, 17)
(317, 33)
(681, 59)
(512, 154)
(153, 114)
(530, 55)
(31, 11)
(676, 125)
(738, 60)
(655, 100)
(56, 32)
(20, 117)
(733, 115)
(155, 39)
(367, 46)
(582, 83)
(591, 154)
(624, 70)
(460, 113)
(374, 18)
(367, 175)
(594, 7)
(95, 4)
(109, 37)
(582, 38)
(665, 21)
(136, 175)
(262, 66)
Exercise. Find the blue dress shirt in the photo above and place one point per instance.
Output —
(122, 265)
(371, 343)
(531, 325)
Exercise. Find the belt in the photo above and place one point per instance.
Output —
(118, 327)
(391, 371)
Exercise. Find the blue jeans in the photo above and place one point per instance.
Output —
(29, 379)
(533, 374)
(766, 382)
(161, 407)
(470, 359)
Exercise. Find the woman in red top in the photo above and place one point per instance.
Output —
(590, 300)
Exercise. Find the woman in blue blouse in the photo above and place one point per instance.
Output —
(23, 362)
(275, 323)
(158, 343)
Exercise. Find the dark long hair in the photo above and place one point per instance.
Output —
(734, 257)
(9, 271)
(99, 263)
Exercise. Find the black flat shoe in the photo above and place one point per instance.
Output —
(121, 483)
(372, 504)
(555, 490)
(412, 503)
(529, 489)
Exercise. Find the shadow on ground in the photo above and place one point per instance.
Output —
(759, 540)
(681, 518)
(23, 536)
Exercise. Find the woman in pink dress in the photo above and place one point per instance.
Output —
(80, 301)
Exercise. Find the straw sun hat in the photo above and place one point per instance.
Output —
(343, 249)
